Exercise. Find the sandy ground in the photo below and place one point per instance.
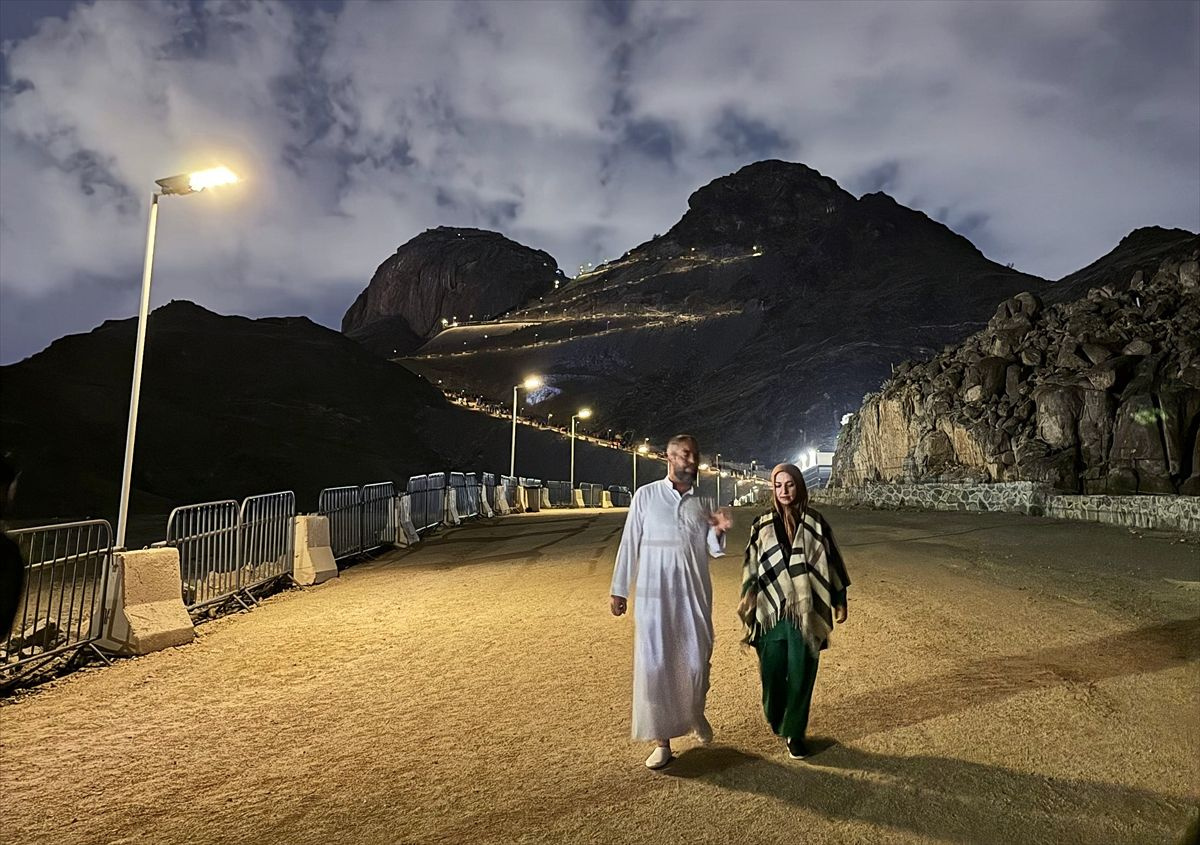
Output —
(1001, 679)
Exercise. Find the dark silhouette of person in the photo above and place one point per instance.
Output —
(12, 567)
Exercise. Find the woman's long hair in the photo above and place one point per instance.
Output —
(793, 514)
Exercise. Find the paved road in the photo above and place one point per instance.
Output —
(1001, 679)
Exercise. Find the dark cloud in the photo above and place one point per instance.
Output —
(1044, 131)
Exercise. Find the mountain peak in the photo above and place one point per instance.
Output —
(762, 199)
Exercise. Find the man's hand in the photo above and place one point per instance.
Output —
(721, 520)
(618, 605)
(839, 614)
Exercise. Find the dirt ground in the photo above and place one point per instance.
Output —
(1001, 679)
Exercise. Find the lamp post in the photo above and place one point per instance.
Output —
(582, 414)
(641, 449)
(717, 463)
(180, 185)
(530, 383)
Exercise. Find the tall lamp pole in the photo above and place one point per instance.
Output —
(642, 449)
(530, 383)
(717, 465)
(180, 185)
(582, 414)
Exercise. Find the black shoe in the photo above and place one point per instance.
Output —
(797, 750)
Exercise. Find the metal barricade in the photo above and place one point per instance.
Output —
(267, 537)
(378, 515)
(458, 489)
(425, 502)
(489, 488)
(206, 537)
(62, 607)
(473, 494)
(560, 493)
(589, 495)
(343, 507)
(621, 496)
(436, 498)
(416, 487)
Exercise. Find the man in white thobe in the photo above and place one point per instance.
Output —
(669, 534)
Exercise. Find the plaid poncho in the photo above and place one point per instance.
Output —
(798, 581)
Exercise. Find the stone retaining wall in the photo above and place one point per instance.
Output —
(1176, 513)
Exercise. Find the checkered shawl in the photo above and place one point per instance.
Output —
(799, 587)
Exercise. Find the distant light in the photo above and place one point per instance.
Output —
(703, 466)
(643, 448)
(584, 413)
(532, 383)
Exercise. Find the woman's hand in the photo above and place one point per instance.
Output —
(746, 606)
(617, 605)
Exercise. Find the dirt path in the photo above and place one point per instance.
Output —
(1002, 679)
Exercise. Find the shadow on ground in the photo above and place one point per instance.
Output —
(946, 799)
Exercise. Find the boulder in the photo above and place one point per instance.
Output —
(1057, 414)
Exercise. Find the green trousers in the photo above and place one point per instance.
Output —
(789, 672)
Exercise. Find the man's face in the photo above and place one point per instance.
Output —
(681, 462)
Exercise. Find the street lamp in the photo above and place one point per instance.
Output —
(717, 462)
(180, 185)
(582, 414)
(642, 449)
(530, 383)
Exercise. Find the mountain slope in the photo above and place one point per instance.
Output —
(232, 407)
(774, 304)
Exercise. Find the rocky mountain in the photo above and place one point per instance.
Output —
(757, 321)
(445, 274)
(232, 407)
(1100, 394)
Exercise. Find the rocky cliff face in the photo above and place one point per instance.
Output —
(1100, 394)
(441, 274)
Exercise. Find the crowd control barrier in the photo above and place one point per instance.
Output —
(62, 606)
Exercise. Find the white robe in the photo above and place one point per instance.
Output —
(664, 550)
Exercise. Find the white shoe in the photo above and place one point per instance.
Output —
(704, 731)
(659, 757)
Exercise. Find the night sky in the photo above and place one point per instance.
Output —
(1043, 131)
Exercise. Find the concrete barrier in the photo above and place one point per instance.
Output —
(146, 597)
(545, 498)
(312, 561)
(450, 515)
(521, 501)
(502, 507)
(577, 498)
(606, 499)
(485, 509)
(406, 532)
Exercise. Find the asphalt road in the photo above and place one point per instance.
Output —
(1001, 679)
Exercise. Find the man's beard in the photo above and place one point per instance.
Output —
(686, 475)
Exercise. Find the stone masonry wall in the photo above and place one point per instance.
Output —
(1177, 513)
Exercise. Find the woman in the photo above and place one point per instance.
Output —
(793, 588)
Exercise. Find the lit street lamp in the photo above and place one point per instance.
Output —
(530, 383)
(184, 183)
(642, 449)
(583, 414)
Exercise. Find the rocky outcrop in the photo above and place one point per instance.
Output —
(1097, 395)
(448, 274)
